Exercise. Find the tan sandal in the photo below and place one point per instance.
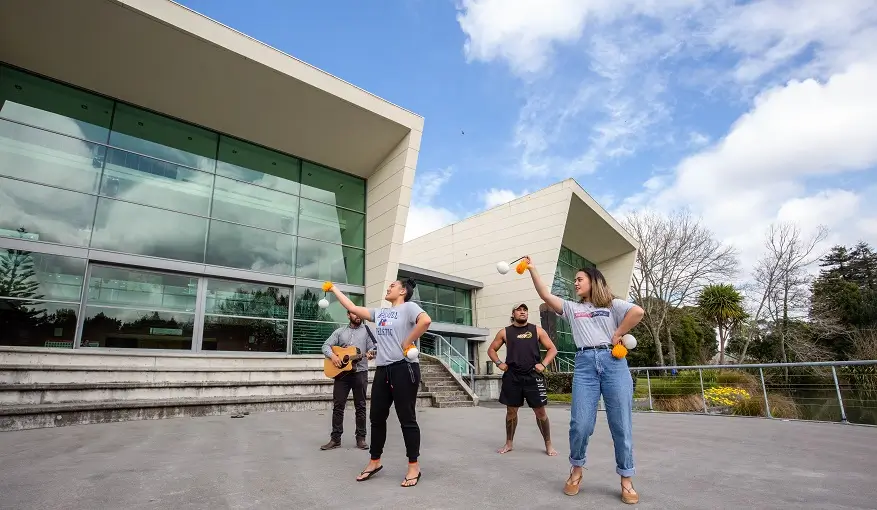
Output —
(572, 488)
(629, 496)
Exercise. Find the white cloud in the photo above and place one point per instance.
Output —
(423, 215)
(494, 197)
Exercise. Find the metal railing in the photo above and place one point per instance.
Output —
(445, 351)
(831, 391)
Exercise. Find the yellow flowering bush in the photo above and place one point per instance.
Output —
(725, 396)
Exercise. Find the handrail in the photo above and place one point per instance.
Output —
(766, 365)
(446, 342)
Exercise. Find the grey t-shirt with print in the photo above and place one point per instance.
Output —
(392, 327)
(592, 326)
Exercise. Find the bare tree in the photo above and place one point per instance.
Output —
(677, 258)
(782, 282)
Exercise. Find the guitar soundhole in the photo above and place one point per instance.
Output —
(346, 359)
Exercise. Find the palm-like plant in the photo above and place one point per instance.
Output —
(722, 305)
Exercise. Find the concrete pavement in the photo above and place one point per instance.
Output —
(273, 460)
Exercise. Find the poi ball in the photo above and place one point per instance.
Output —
(327, 286)
(619, 351)
(502, 267)
(629, 341)
(412, 353)
(521, 267)
(323, 303)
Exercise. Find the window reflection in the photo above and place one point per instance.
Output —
(332, 187)
(39, 156)
(40, 213)
(307, 307)
(113, 286)
(28, 275)
(137, 329)
(246, 299)
(239, 334)
(154, 182)
(253, 164)
(308, 337)
(245, 317)
(37, 324)
(250, 248)
(328, 223)
(132, 228)
(323, 261)
(251, 205)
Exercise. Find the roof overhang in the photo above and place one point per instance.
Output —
(162, 56)
(588, 222)
(458, 330)
(428, 275)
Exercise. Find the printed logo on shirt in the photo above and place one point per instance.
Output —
(385, 322)
(589, 315)
(526, 335)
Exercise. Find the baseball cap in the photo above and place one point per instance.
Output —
(522, 305)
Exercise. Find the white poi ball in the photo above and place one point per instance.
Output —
(502, 267)
(629, 341)
(323, 303)
(412, 353)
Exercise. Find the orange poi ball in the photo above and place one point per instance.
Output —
(521, 267)
(619, 351)
(327, 286)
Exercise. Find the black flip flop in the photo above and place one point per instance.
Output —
(370, 474)
(416, 480)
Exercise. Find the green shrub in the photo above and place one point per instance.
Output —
(781, 406)
(559, 382)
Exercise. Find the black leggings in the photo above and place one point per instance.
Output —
(397, 384)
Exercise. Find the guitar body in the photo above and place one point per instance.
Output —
(349, 356)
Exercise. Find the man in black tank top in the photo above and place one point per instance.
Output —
(522, 377)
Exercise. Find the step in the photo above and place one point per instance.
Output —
(58, 415)
(459, 403)
(450, 382)
(450, 396)
(26, 374)
(32, 394)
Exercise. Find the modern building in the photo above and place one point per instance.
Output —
(173, 193)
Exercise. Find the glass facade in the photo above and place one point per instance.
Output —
(444, 303)
(568, 264)
(81, 170)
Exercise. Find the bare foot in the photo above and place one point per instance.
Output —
(413, 475)
(550, 450)
(505, 449)
(372, 468)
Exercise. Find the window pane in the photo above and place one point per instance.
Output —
(49, 105)
(226, 297)
(328, 223)
(237, 334)
(308, 337)
(323, 261)
(464, 298)
(250, 248)
(36, 324)
(40, 156)
(463, 316)
(250, 163)
(446, 295)
(562, 289)
(161, 137)
(29, 275)
(131, 228)
(113, 286)
(427, 292)
(430, 310)
(252, 205)
(444, 314)
(566, 272)
(332, 187)
(307, 308)
(153, 182)
(41, 213)
(137, 329)
(566, 255)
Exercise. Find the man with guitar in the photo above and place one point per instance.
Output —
(352, 374)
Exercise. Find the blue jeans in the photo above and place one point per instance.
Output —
(598, 372)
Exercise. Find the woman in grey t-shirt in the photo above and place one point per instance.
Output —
(598, 320)
(397, 378)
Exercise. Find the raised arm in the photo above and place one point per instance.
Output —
(360, 311)
(496, 344)
(546, 342)
(550, 299)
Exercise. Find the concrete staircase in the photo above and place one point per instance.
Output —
(58, 387)
(446, 387)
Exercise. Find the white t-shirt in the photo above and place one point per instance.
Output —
(592, 326)
(392, 327)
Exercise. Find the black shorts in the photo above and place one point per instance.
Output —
(518, 387)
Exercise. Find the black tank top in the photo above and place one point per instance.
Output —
(522, 348)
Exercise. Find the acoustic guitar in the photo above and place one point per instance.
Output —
(349, 356)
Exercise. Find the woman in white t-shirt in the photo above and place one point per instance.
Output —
(598, 320)
(397, 378)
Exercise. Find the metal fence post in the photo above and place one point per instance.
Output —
(764, 390)
(649, 384)
(840, 400)
(702, 393)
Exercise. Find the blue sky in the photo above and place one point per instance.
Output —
(744, 112)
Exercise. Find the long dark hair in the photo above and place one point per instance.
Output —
(409, 285)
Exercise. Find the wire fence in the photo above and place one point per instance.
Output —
(844, 392)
